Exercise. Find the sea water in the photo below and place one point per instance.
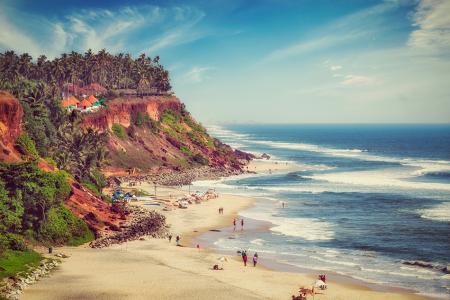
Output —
(365, 200)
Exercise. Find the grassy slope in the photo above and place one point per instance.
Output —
(14, 262)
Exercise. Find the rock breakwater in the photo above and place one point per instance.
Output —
(142, 222)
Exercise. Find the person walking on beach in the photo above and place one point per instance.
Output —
(244, 257)
(242, 224)
(234, 224)
(170, 238)
(177, 239)
(255, 259)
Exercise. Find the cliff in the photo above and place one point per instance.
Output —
(121, 111)
(155, 134)
(11, 113)
(98, 214)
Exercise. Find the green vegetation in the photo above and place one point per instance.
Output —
(26, 146)
(119, 131)
(62, 226)
(92, 187)
(142, 119)
(186, 150)
(119, 71)
(31, 207)
(13, 262)
(172, 119)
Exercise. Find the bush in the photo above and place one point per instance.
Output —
(119, 131)
(62, 226)
(26, 146)
(186, 150)
(50, 161)
(16, 242)
(92, 187)
(35, 190)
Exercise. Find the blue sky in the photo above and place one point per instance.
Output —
(267, 61)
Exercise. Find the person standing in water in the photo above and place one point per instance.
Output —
(242, 224)
(255, 259)
(234, 224)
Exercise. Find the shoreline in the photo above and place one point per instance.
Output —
(156, 269)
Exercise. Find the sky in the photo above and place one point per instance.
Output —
(264, 61)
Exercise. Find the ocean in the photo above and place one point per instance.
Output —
(368, 201)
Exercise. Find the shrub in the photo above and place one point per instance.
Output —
(119, 131)
(62, 226)
(139, 118)
(92, 187)
(16, 242)
(26, 146)
(186, 150)
(50, 161)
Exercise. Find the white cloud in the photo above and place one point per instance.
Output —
(13, 38)
(432, 17)
(357, 80)
(126, 29)
(335, 68)
(197, 74)
(360, 25)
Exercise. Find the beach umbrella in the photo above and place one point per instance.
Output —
(222, 259)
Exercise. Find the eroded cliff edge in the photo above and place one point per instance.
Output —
(156, 134)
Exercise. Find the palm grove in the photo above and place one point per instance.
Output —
(31, 199)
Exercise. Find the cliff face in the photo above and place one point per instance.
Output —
(11, 113)
(159, 135)
(121, 110)
(97, 213)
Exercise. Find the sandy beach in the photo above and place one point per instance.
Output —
(157, 269)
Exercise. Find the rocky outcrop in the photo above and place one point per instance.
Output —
(143, 222)
(10, 126)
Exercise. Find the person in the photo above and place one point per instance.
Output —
(234, 224)
(178, 240)
(244, 257)
(255, 259)
(242, 224)
(170, 238)
(282, 203)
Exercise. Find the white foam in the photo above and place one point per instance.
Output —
(439, 212)
(258, 242)
(386, 178)
(307, 229)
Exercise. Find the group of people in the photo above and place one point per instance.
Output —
(177, 239)
(245, 258)
(235, 222)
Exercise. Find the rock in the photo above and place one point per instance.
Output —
(265, 156)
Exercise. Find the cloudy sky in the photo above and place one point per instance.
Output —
(268, 61)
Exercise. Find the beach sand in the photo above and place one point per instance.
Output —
(157, 269)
